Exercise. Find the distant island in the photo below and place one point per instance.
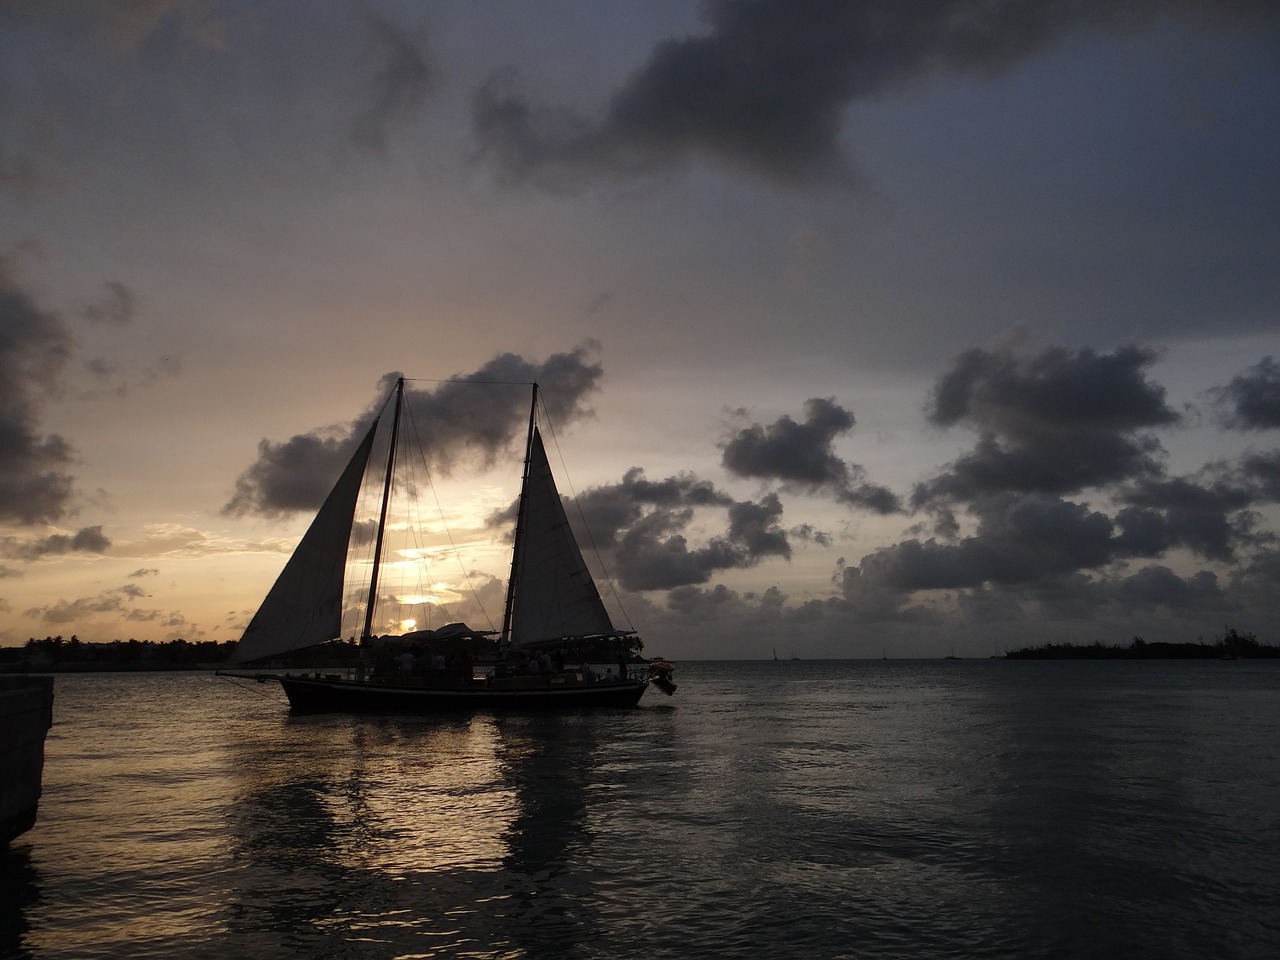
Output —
(1233, 646)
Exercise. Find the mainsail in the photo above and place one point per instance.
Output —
(304, 607)
(553, 595)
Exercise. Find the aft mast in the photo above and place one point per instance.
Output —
(382, 516)
(517, 544)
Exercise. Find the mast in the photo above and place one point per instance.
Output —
(517, 543)
(382, 516)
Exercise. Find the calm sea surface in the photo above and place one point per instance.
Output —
(792, 809)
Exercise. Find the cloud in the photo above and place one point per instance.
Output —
(1251, 401)
(117, 601)
(1020, 538)
(117, 305)
(641, 528)
(35, 346)
(799, 455)
(1212, 519)
(1157, 586)
(1262, 471)
(1048, 425)
(400, 80)
(85, 540)
(1055, 423)
(765, 87)
(454, 420)
(654, 553)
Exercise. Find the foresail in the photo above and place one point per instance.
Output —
(554, 593)
(304, 607)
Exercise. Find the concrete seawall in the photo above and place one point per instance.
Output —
(26, 714)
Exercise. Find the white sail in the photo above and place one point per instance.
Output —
(554, 595)
(304, 607)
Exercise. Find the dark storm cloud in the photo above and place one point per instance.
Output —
(1251, 401)
(1262, 472)
(1158, 586)
(640, 527)
(609, 511)
(654, 554)
(1256, 584)
(755, 527)
(452, 419)
(34, 348)
(799, 455)
(1062, 423)
(401, 79)
(85, 540)
(1056, 423)
(1212, 513)
(1212, 518)
(766, 85)
(1020, 538)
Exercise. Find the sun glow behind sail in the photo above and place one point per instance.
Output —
(441, 562)
(435, 567)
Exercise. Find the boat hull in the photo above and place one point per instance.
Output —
(337, 695)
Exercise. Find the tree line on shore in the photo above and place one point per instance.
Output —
(59, 651)
(1232, 646)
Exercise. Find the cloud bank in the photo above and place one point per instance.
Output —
(799, 456)
(454, 420)
(764, 88)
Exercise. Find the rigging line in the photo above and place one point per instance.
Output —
(414, 523)
(457, 554)
(577, 505)
(243, 686)
(358, 549)
(359, 546)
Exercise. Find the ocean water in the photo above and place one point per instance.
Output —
(869, 809)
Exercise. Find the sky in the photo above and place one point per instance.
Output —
(865, 328)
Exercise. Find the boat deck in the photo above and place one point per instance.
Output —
(332, 692)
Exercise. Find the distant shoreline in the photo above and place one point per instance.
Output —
(1233, 646)
(18, 669)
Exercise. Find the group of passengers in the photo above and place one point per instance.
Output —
(417, 661)
(552, 664)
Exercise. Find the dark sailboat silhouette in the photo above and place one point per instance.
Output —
(552, 606)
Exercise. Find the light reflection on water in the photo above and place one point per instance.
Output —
(797, 809)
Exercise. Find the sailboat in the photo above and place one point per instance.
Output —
(552, 612)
